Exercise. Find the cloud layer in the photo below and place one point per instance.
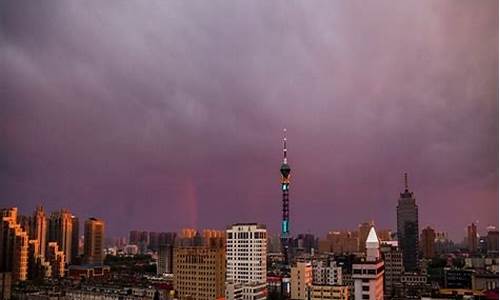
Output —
(159, 115)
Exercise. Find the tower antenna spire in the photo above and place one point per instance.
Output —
(406, 181)
(284, 146)
(285, 221)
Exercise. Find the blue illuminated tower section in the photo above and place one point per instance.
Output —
(285, 186)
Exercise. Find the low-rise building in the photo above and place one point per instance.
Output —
(329, 292)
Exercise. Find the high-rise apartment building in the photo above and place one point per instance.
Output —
(165, 259)
(75, 239)
(38, 266)
(246, 260)
(154, 241)
(93, 246)
(246, 248)
(301, 280)
(427, 240)
(492, 241)
(39, 230)
(60, 231)
(472, 238)
(167, 238)
(393, 266)
(199, 270)
(407, 219)
(56, 259)
(13, 246)
(368, 275)
(134, 237)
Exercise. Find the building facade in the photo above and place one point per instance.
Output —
(93, 245)
(301, 280)
(199, 271)
(472, 238)
(39, 230)
(75, 239)
(13, 246)
(246, 248)
(329, 292)
(326, 272)
(60, 231)
(165, 259)
(56, 259)
(427, 240)
(393, 266)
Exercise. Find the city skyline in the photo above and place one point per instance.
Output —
(170, 118)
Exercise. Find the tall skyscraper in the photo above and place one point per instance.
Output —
(39, 230)
(472, 238)
(369, 275)
(93, 246)
(285, 186)
(75, 239)
(427, 242)
(199, 270)
(60, 231)
(407, 219)
(246, 249)
(13, 246)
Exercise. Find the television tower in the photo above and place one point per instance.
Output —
(285, 185)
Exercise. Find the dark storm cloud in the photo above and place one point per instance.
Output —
(159, 115)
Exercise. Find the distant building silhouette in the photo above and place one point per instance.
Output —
(407, 221)
(427, 239)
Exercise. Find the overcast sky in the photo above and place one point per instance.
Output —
(158, 115)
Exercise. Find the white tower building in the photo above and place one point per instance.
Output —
(246, 268)
(368, 275)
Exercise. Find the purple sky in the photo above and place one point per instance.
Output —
(162, 114)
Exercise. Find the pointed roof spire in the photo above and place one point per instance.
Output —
(372, 246)
(372, 238)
